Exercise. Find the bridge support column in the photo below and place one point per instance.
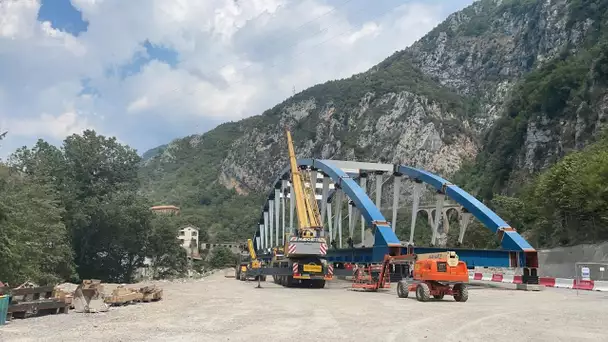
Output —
(396, 192)
(431, 218)
(313, 187)
(379, 189)
(438, 216)
(324, 194)
(363, 183)
(266, 229)
(351, 226)
(271, 223)
(340, 224)
(442, 234)
(465, 219)
(415, 202)
(338, 215)
(277, 202)
(283, 198)
(261, 238)
(329, 223)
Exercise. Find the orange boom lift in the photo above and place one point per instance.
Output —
(435, 274)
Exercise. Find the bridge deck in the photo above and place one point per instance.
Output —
(472, 257)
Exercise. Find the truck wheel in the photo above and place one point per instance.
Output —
(461, 293)
(439, 296)
(402, 289)
(423, 293)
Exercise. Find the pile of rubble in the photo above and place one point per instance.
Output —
(29, 299)
(93, 296)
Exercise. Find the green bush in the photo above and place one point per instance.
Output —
(222, 257)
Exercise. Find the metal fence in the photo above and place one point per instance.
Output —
(588, 272)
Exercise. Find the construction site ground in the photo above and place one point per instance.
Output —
(217, 308)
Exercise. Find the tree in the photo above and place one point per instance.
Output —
(34, 243)
(96, 180)
(168, 257)
(222, 257)
(113, 243)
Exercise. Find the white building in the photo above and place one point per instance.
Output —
(188, 236)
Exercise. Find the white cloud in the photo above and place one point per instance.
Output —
(15, 18)
(57, 127)
(235, 59)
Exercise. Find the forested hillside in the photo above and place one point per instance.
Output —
(554, 111)
(501, 91)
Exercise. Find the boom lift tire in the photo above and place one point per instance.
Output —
(402, 289)
(461, 292)
(423, 292)
(439, 296)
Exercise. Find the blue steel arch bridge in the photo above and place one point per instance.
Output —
(343, 185)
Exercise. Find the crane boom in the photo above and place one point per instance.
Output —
(302, 258)
(251, 249)
(308, 217)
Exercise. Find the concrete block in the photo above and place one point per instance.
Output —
(530, 287)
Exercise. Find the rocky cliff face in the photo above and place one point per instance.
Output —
(429, 105)
(393, 127)
(483, 50)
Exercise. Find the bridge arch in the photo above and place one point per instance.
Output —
(343, 181)
(384, 235)
(509, 238)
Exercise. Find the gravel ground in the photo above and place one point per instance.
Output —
(223, 309)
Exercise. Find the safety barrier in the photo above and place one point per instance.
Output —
(600, 285)
(564, 283)
(588, 285)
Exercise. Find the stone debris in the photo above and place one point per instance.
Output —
(94, 296)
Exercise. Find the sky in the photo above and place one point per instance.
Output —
(150, 71)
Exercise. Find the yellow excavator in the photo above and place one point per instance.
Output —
(249, 265)
(301, 261)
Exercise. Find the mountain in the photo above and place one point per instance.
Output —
(500, 91)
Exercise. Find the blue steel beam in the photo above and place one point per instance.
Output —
(472, 257)
(510, 239)
(384, 235)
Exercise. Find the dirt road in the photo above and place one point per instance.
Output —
(223, 309)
